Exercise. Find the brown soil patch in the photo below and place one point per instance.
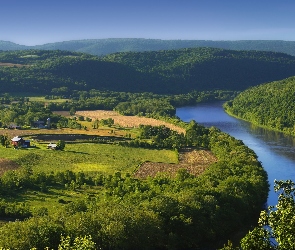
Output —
(127, 121)
(195, 161)
(6, 165)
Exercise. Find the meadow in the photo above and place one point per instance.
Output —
(87, 157)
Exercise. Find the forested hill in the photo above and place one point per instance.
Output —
(106, 46)
(271, 105)
(169, 71)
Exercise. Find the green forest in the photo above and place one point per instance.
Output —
(163, 72)
(270, 105)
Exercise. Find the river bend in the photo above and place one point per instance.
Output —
(275, 150)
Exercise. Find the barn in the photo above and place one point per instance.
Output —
(18, 141)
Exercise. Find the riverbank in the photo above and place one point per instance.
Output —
(229, 112)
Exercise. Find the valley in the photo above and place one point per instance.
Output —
(109, 158)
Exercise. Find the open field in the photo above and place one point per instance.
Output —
(86, 157)
(195, 161)
(42, 99)
(127, 121)
(102, 158)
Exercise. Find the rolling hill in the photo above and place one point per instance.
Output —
(164, 72)
(271, 105)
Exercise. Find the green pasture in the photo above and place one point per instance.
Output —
(34, 97)
(87, 157)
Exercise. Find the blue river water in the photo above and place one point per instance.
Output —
(275, 150)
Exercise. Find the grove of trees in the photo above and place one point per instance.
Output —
(270, 105)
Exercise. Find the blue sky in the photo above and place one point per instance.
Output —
(32, 22)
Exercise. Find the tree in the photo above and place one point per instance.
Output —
(277, 225)
(60, 144)
(4, 140)
(72, 111)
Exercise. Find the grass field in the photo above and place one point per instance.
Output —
(87, 157)
(42, 99)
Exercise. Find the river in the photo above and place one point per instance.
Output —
(275, 151)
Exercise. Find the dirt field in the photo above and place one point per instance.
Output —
(195, 161)
(6, 165)
(127, 121)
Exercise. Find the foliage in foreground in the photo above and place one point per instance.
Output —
(276, 225)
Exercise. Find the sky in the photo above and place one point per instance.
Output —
(36, 22)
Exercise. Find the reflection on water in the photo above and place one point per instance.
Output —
(275, 150)
(279, 142)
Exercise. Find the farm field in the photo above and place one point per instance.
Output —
(79, 156)
(85, 157)
(194, 161)
(126, 121)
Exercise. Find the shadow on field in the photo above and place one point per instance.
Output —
(77, 152)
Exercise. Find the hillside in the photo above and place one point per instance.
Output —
(106, 46)
(271, 105)
(164, 72)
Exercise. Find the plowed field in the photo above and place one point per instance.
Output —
(195, 161)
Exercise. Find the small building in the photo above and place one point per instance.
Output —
(20, 142)
(17, 141)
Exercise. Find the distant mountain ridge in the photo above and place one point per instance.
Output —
(101, 47)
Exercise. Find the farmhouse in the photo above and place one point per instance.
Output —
(20, 142)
